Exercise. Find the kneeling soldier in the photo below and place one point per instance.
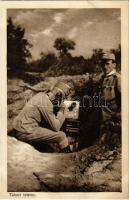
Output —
(37, 121)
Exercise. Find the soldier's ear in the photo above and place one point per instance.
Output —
(114, 64)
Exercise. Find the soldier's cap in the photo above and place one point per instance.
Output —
(108, 56)
(64, 87)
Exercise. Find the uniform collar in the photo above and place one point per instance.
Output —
(50, 96)
(111, 73)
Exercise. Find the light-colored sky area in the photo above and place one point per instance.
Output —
(88, 28)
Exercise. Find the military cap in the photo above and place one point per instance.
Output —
(108, 56)
(64, 87)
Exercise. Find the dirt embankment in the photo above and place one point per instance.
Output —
(92, 169)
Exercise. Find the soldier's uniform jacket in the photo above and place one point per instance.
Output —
(38, 111)
(111, 94)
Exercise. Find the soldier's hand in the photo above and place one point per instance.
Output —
(62, 107)
(116, 117)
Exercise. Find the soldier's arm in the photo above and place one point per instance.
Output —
(33, 88)
(119, 101)
(54, 121)
(119, 83)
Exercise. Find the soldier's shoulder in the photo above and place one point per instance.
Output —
(97, 77)
(40, 94)
(39, 97)
(118, 74)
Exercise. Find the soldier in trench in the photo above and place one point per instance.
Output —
(102, 118)
(111, 101)
(37, 121)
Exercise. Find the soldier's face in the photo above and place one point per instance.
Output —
(57, 99)
(108, 66)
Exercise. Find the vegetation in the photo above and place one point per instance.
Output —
(19, 56)
(63, 46)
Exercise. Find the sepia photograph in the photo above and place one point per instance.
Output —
(66, 134)
(64, 100)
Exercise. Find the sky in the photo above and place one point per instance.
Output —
(88, 28)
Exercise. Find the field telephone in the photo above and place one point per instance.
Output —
(72, 123)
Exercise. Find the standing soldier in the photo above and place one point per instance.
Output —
(111, 100)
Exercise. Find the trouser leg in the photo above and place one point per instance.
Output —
(111, 133)
(44, 135)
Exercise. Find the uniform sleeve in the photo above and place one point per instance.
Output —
(119, 92)
(119, 83)
(54, 121)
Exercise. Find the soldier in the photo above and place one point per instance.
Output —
(111, 97)
(37, 121)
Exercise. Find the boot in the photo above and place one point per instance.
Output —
(66, 150)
